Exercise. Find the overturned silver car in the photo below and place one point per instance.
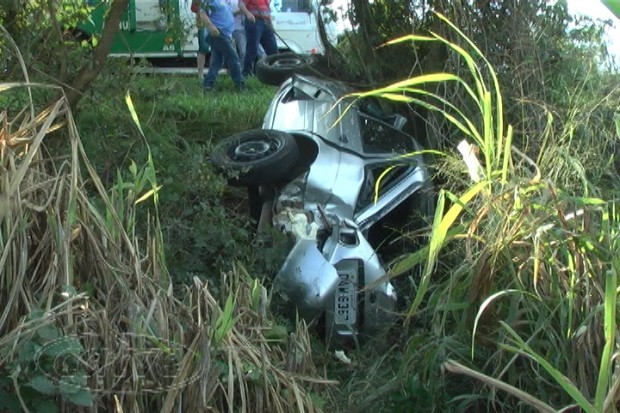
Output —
(329, 171)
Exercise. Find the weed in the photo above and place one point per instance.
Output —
(532, 286)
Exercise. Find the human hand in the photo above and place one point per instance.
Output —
(251, 17)
(213, 31)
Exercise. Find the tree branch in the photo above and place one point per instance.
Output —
(89, 72)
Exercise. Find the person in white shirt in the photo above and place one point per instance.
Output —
(239, 31)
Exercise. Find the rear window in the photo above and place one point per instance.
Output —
(291, 6)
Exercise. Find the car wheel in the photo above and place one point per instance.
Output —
(276, 68)
(256, 157)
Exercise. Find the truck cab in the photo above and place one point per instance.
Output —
(295, 21)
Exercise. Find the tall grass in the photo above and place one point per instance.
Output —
(89, 316)
(519, 285)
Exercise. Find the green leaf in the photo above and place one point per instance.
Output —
(610, 329)
(69, 291)
(10, 402)
(147, 195)
(410, 38)
(225, 321)
(66, 386)
(48, 333)
(44, 406)
(34, 314)
(134, 114)
(396, 97)
(65, 345)
(81, 398)
(28, 351)
(43, 385)
(255, 294)
(439, 236)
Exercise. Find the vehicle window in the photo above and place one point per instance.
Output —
(291, 6)
(379, 178)
(380, 137)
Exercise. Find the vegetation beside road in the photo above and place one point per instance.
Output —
(516, 309)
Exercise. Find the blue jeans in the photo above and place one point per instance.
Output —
(257, 33)
(240, 44)
(222, 48)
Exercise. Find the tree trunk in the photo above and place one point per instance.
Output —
(89, 72)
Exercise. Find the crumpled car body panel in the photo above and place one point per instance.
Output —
(350, 183)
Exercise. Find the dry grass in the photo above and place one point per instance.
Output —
(73, 272)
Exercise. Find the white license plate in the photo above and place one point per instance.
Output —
(346, 302)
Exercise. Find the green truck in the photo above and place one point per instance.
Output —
(613, 5)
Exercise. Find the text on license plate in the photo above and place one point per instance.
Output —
(346, 302)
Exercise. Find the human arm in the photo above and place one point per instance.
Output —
(245, 11)
(204, 17)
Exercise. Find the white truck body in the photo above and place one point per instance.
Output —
(295, 23)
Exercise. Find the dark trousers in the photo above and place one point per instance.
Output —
(257, 33)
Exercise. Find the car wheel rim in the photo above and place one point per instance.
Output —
(288, 63)
(253, 150)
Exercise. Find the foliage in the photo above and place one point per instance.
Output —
(527, 253)
(516, 308)
(34, 374)
(537, 49)
(42, 35)
(110, 331)
(204, 222)
(40, 32)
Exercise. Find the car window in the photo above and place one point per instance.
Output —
(380, 137)
(291, 6)
(379, 179)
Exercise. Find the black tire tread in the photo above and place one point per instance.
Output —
(264, 171)
(275, 76)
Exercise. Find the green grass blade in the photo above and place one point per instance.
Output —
(542, 407)
(134, 114)
(225, 321)
(605, 373)
(439, 232)
(489, 144)
(410, 38)
(147, 195)
(561, 379)
(379, 180)
(507, 153)
(483, 307)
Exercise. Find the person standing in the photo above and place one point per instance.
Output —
(239, 31)
(220, 23)
(258, 30)
(203, 47)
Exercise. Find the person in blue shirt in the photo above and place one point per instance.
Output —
(218, 19)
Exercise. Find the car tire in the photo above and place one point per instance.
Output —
(275, 69)
(256, 157)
